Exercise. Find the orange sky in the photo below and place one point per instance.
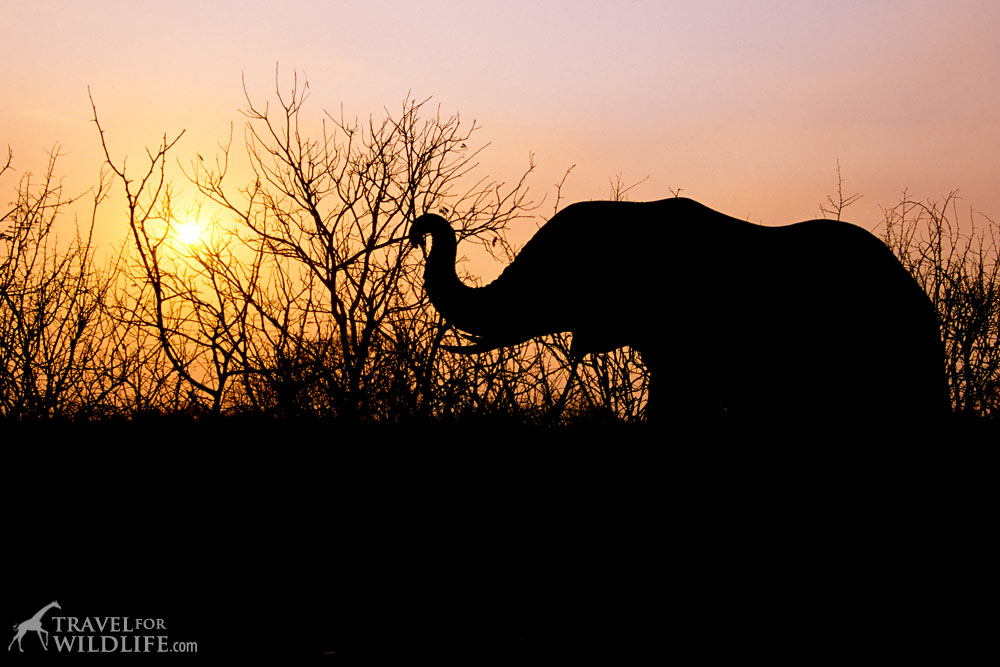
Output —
(745, 105)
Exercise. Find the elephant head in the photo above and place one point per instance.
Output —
(813, 321)
(532, 297)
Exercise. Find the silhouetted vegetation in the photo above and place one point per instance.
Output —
(303, 298)
(956, 262)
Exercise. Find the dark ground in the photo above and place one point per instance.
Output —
(310, 542)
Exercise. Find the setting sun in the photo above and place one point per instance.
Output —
(189, 232)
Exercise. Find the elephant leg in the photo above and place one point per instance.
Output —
(680, 392)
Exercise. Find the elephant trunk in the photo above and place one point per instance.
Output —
(479, 311)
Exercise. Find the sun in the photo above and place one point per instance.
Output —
(189, 232)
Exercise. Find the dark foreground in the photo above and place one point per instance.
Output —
(307, 542)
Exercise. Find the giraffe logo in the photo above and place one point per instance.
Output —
(33, 623)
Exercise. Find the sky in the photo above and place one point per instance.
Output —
(747, 106)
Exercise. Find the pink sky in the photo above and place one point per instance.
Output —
(745, 105)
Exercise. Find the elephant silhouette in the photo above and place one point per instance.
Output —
(814, 322)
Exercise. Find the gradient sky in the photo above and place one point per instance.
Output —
(745, 105)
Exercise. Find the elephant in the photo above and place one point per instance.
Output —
(814, 323)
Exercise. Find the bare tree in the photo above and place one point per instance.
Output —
(183, 295)
(834, 208)
(956, 262)
(51, 304)
(332, 213)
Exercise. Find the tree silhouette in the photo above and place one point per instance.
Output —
(956, 262)
(52, 299)
(305, 300)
